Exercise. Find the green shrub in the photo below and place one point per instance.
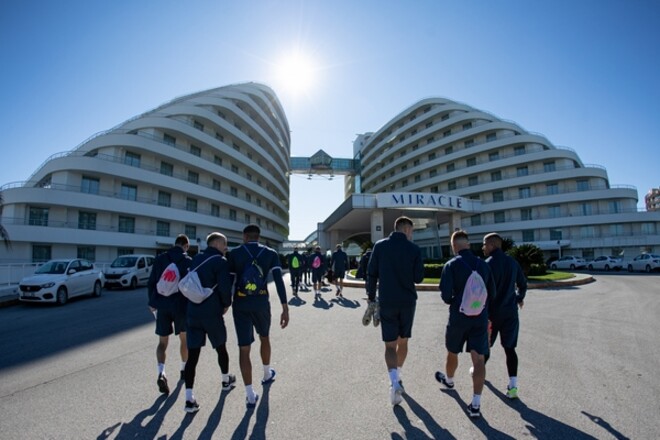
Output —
(433, 270)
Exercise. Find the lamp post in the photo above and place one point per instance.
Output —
(559, 244)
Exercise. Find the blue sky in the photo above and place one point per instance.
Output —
(583, 73)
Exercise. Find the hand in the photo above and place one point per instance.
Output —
(151, 309)
(284, 317)
(521, 303)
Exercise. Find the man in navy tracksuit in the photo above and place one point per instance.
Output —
(169, 310)
(295, 268)
(503, 311)
(462, 329)
(206, 318)
(251, 309)
(339, 264)
(396, 265)
(316, 263)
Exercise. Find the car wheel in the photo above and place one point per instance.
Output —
(591, 267)
(97, 289)
(572, 267)
(607, 268)
(648, 268)
(133, 283)
(62, 296)
(630, 269)
(553, 267)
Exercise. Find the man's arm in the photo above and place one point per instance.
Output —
(446, 284)
(155, 274)
(521, 282)
(372, 270)
(281, 293)
(223, 283)
(419, 267)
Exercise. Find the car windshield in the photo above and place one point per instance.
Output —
(654, 256)
(53, 267)
(124, 262)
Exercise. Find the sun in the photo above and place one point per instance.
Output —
(296, 72)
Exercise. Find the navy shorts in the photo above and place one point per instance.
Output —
(340, 274)
(464, 330)
(396, 322)
(165, 318)
(246, 321)
(507, 328)
(317, 275)
(199, 328)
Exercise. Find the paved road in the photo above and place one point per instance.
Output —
(588, 369)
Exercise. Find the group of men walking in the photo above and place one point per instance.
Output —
(237, 280)
(483, 299)
(301, 264)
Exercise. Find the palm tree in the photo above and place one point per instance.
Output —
(527, 255)
(3, 232)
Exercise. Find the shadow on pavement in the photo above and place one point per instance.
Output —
(540, 426)
(321, 303)
(341, 301)
(297, 301)
(481, 422)
(261, 419)
(602, 423)
(214, 418)
(437, 432)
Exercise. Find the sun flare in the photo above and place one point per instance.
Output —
(296, 72)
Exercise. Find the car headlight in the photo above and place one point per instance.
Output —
(47, 285)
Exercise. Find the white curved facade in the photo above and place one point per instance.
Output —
(530, 190)
(210, 161)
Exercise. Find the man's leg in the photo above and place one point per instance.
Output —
(451, 365)
(246, 372)
(479, 375)
(401, 351)
(183, 350)
(189, 373)
(396, 390)
(161, 349)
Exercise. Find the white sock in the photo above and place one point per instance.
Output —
(513, 382)
(225, 377)
(476, 400)
(394, 376)
(249, 391)
(449, 379)
(267, 372)
(183, 366)
(189, 395)
(398, 371)
(161, 369)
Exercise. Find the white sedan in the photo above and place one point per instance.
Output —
(605, 263)
(569, 262)
(59, 280)
(644, 262)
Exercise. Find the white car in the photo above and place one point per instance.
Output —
(605, 263)
(569, 262)
(58, 280)
(644, 262)
(129, 271)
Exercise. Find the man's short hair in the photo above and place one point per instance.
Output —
(181, 240)
(252, 231)
(402, 221)
(459, 235)
(494, 239)
(215, 236)
(317, 248)
(338, 246)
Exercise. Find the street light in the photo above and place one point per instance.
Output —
(559, 244)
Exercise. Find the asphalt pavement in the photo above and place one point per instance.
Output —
(588, 369)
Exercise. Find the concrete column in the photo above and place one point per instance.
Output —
(454, 223)
(377, 227)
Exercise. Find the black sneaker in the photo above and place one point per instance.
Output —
(230, 384)
(191, 407)
(162, 384)
(440, 377)
(473, 411)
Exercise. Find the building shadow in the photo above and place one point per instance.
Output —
(481, 422)
(603, 424)
(437, 432)
(540, 425)
(321, 303)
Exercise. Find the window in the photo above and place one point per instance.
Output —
(491, 137)
(449, 150)
(38, 216)
(404, 183)
(193, 177)
(648, 228)
(232, 214)
(554, 211)
(432, 156)
(587, 232)
(233, 191)
(472, 161)
(582, 185)
(195, 151)
(475, 220)
(190, 231)
(169, 140)
(493, 156)
(41, 253)
(236, 147)
(234, 169)
(217, 185)
(418, 178)
(215, 210)
(198, 125)
(128, 192)
(467, 126)
(445, 117)
(435, 188)
(522, 171)
(613, 206)
(89, 185)
(86, 220)
(468, 143)
(555, 234)
(528, 235)
(162, 228)
(519, 150)
(498, 196)
(526, 214)
(451, 185)
(87, 253)
(259, 203)
(451, 167)
(127, 224)
(402, 153)
(217, 160)
(552, 188)
(248, 176)
(164, 198)
(132, 159)
(191, 204)
(416, 162)
(433, 173)
(428, 141)
(524, 192)
(247, 219)
(219, 137)
(429, 124)
(125, 251)
(499, 217)
(548, 167)
(446, 133)
(404, 167)
(166, 168)
(586, 209)
(473, 180)
(495, 176)
(416, 146)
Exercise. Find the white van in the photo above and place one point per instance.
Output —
(129, 271)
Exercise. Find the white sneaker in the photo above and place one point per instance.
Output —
(396, 395)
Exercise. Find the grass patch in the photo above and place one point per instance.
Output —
(552, 276)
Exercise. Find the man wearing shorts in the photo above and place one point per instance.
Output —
(463, 329)
(170, 311)
(316, 263)
(295, 268)
(206, 318)
(396, 265)
(251, 309)
(503, 310)
(339, 264)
